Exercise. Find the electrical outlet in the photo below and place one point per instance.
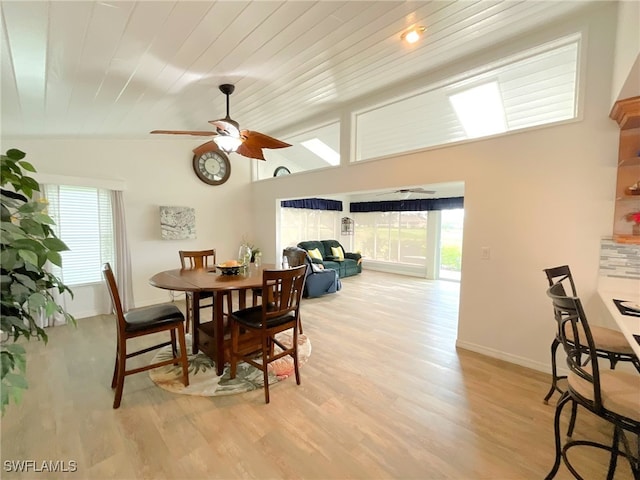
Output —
(485, 253)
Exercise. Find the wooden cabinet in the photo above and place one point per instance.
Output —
(627, 113)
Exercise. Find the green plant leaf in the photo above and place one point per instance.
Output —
(15, 154)
(17, 381)
(32, 227)
(4, 396)
(37, 301)
(28, 256)
(30, 183)
(15, 349)
(26, 281)
(54, 257)
(27, 166)
(55, 244)
(27, 244)
(7, 363)
(43, 218)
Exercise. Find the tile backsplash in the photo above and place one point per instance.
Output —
(619, 260)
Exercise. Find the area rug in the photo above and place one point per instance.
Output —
(203, 380)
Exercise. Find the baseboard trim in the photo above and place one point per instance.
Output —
(507, 357)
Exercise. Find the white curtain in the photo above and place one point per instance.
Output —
(123, 256)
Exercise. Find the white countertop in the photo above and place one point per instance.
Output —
(610, 288)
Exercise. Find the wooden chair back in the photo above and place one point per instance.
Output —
(115, 296)
(285, 291)
(197, 259)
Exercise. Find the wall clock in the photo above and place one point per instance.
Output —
(280, 171)
(212, 167)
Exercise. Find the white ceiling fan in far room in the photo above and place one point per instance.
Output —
(405, 193)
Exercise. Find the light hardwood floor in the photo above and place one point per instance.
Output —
(385, 394)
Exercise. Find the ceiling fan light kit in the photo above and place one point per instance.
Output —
(227, 143)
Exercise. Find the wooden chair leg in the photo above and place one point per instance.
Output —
(115, 367)
(121, 362)
(174, 346)
(265, 370)
(295, 355)
(183, 354)
(189, 306)
(235, 334)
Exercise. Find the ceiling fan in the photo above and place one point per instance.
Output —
(406, 192)
(229, 138)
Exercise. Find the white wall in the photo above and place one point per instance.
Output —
(155, 172)
(537, 199)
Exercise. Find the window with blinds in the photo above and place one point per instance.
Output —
(533, 88)
(84, 222)
(299, 224)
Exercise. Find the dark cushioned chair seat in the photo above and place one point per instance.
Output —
(252, 317)
(153, 315)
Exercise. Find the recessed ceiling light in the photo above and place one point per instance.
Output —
(413, 34)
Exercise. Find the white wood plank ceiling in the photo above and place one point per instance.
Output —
(121, 69)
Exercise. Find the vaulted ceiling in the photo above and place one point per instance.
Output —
(121, 69)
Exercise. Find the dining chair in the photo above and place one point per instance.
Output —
(612, 395)
(199, 260)
(139, 322)
(609, 343)
(260, 324)
(295, 257)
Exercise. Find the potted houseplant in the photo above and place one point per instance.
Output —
(27, 244)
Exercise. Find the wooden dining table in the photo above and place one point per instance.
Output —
(209, 337)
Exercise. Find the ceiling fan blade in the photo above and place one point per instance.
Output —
(186, 132)
(209, 146)
(251, 151)
(254, 142)
(262, 140)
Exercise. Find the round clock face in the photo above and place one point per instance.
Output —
(212, 167)
(281, 171)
